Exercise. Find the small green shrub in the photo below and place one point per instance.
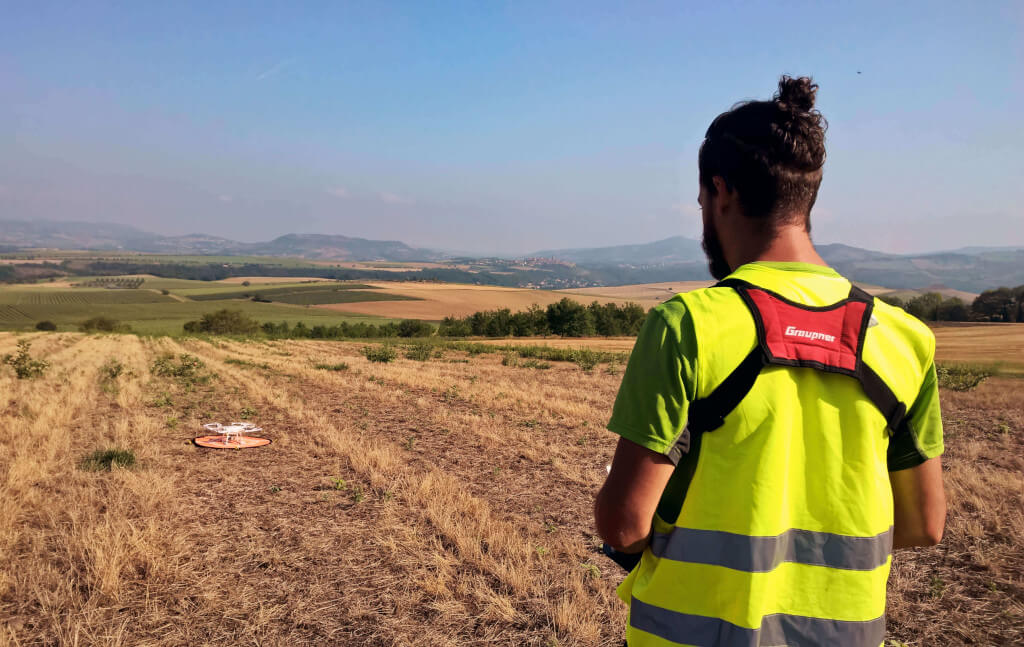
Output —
(162, 401)
(106, 459)
(963, 377)
(419, 352)
(340, 366)
(103, 324)
(24, 365)
(508, 359)
(112, 369)
(381, 353)
(46, 326)
(585, 359)
(188, 369)
(223, 322)
(357, 494)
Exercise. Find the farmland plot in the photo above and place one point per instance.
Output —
(438, 502)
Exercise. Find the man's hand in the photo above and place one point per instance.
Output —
(625, 506)
(920, 505)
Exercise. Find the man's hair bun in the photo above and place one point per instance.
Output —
(796, 95)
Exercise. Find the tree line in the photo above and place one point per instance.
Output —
(566, 318)
(235, 322)
(1000, 305)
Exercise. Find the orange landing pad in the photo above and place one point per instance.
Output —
(217, 441)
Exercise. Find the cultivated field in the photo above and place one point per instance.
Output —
(998, 343)
(147, 310)
(435, 301)
(445, 502)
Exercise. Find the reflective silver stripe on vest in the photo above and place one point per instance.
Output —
(759, 554)
(776, 629)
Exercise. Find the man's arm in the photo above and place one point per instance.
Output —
(920, 504)
(625, 505)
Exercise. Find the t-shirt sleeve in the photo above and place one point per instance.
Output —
(924, 441)
(657, 386)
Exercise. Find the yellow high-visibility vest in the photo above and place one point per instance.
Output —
(785, 533)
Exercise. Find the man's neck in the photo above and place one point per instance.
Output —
(789, 245)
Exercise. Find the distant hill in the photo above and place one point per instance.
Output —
(670, 250)
(969, 269)
(325, 247)
(108, 237)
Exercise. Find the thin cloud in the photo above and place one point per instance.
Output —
(226, 198)
(274, 69)
(338, 191)
(686, 208)
(392, 198)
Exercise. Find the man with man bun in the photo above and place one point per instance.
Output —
(780, 431)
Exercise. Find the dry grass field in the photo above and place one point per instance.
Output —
(445, 502)
(439, 300)
(998, 343)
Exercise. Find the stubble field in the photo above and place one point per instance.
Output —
(444, 502)
(435, 301)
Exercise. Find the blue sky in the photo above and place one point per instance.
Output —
(501, 127)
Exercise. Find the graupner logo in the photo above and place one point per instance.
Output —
(811, 335)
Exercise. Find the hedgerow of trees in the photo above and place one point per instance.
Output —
(566, 318)
(235, 322)
(1001, 305)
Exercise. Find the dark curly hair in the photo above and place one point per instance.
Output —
(770, 152)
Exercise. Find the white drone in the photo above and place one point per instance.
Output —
(234, 429)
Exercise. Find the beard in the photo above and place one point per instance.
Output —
(712, 245)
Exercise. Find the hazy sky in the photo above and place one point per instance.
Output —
(504, 127)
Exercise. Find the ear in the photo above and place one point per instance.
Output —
(722, 189)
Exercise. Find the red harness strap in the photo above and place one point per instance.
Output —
(827, 338)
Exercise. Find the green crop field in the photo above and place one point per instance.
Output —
(79, 296)
(148, 311)
(220, 290)
(304, 294)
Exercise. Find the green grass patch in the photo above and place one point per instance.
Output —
(164, 317)
(585, 358)
(963, 377)
(340, 366)
(107, 459)
(244, 362)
